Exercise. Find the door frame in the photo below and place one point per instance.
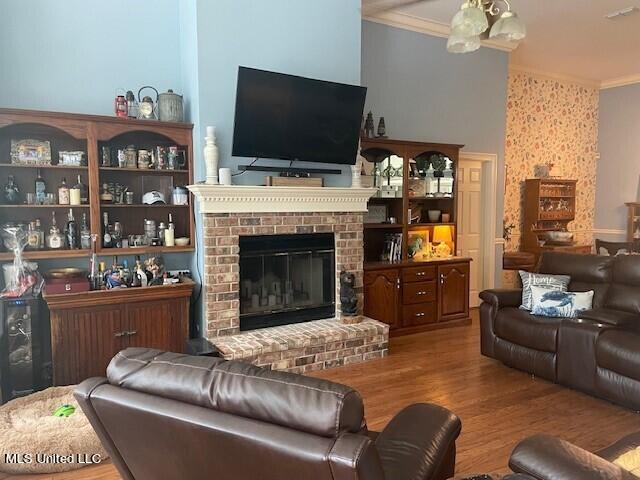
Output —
(489, 219)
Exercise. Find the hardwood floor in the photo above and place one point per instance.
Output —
(498, 406)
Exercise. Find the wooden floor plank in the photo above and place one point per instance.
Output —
(498, 406)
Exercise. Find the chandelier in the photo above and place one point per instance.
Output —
(472, 20)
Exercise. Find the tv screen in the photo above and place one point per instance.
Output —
(294, 118)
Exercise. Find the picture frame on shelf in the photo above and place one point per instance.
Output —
(376, 214)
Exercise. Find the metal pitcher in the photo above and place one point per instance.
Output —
(170, 107)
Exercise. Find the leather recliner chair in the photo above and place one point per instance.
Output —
(172, 416)
(543, 457)
(597, 353)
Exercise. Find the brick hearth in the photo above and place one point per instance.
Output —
(310, 346)
(299, 347)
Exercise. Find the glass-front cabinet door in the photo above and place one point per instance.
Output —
(384, 169)
(431, 188)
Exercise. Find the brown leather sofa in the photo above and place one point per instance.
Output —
(171, 416)
(598, 353)
(543, 457)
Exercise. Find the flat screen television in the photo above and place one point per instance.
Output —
(294, 118)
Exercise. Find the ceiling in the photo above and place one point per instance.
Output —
(569, 38)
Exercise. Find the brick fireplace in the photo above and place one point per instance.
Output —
(231, 212)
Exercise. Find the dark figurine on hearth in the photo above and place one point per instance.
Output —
(348, 297)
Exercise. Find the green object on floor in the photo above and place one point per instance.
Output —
(65, 410)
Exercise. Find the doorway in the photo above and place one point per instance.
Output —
(477, 219)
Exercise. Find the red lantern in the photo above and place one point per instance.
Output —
(121, 106)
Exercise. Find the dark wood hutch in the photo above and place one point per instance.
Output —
(417, 186)
(88, 328)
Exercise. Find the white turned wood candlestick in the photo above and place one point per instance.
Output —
(211, 156)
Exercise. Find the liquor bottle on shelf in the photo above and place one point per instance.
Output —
(106, 235)
(94, 279)
(55, 240)
(11, 191)
(101, 269)
(83, 191)
(40, 188)
(63, 193)
(85, 233)
(72, 231)
(33, 237)
(40, 234)
(170, 234)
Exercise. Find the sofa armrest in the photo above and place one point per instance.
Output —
(502, 297)
(544, 457)
(416, 442)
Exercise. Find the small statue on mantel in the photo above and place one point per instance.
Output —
(348, 297)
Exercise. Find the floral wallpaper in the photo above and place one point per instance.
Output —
(550, 121)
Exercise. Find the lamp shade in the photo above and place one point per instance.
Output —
(508, 27)
(442, 233)
(462, 44)
(470, 20)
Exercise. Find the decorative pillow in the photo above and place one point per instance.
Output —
(630, 461)
(556, 303)
(551, 282)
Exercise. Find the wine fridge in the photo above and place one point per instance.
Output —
(25, 347)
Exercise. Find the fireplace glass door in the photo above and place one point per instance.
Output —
(286, 279)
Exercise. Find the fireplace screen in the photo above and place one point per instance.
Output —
(286, 279)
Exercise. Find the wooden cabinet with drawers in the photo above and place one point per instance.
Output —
(412, 297)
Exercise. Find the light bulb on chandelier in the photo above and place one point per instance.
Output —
(472, 20)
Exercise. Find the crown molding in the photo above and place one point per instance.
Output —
(428, 27)
(554, 76)
(620, 81)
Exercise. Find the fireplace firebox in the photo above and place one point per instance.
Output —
(286, 279)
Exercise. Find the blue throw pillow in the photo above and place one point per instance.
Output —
(550, 282)
(556, 303)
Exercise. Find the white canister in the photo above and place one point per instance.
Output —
(225, 176)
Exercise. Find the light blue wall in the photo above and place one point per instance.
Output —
(617, 179)
(72, 55)
(319, 39)
(428, 94)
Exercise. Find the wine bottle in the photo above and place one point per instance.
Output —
(72, 231)
(84, 191)
(106, 236)
(85, 233)
(40, 188)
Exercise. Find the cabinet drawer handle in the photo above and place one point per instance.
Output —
(421, 314)
(420, 274)
(422, 292)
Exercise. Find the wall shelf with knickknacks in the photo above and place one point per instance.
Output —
(39, 150)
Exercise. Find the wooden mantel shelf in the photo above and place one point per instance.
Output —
(261, 199)
(119, 295)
